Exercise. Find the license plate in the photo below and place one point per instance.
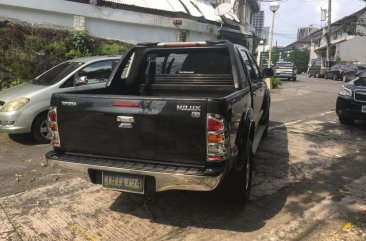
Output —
(124, 182)
(363, 110)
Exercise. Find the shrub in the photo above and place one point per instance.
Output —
(33, 42)
(56, 50)
(81, 42)
(276, 82)
(108, 49)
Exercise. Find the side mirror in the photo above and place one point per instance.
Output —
(268, 73)
(80, 80)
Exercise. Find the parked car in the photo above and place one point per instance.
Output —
(23, 108)
(319, 67)
(285, 70)
(351, 101)
(344, 72)
(174, 116)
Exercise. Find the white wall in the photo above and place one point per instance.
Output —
(352, 50)
(104, 22)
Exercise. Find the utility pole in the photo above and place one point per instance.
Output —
(329, 49)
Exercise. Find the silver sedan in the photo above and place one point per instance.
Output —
(23, 108)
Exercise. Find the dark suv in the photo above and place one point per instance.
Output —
(351, 102)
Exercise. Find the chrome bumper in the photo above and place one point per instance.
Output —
(166, 177)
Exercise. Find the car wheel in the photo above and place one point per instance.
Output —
(325, 76)
(346, 121)
(40, 129)
(244, 176)
(266, 124)
(309, 75)
(293, 78)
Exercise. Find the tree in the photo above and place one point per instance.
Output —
(300, 57)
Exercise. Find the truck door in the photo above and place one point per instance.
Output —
(256, 83)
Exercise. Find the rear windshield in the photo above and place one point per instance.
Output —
(190, 64)
(285, 64)
(57, 73)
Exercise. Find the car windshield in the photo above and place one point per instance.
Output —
(57, 73)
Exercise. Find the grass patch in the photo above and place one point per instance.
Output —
(276, 82)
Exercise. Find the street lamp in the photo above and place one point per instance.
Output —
(274, 6)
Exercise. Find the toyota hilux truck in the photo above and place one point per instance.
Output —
(173, 116)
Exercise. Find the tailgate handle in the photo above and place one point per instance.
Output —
(125, 119)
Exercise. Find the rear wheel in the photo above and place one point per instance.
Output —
(346, 121)
(266, 124)
(294, 78)
(242, 179)
(40, 129)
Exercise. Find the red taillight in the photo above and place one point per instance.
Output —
(53, 127)
(52, 116)
(126, 104)
(215, 125)
(217, 138)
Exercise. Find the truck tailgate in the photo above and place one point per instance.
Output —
(159, 129)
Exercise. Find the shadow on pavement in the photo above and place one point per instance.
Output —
(339, 190)
(219, 209)
(24, 139)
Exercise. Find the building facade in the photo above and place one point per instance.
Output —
(304, 32)
(258, 24)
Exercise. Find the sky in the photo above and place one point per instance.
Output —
(294, 14)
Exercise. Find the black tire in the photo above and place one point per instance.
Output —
(309, 75)
(39, 128)
(293, 78)
(266, 123)
(325, 76)
(241, 180)
(346, 121)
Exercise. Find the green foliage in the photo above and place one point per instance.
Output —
(81, 43)
(73, 54)
(276, 82)
(33, 42)
(12, 84)
(27, 52)
(56, 49)
(300, 57)
(350, 25)
(108, 49)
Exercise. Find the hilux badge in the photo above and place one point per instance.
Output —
(189, 108)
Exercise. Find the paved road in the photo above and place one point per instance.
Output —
(309, 184)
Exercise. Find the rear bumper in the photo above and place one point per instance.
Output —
(285, 76)
(167, 177)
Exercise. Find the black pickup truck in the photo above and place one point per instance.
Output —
(173, 116)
